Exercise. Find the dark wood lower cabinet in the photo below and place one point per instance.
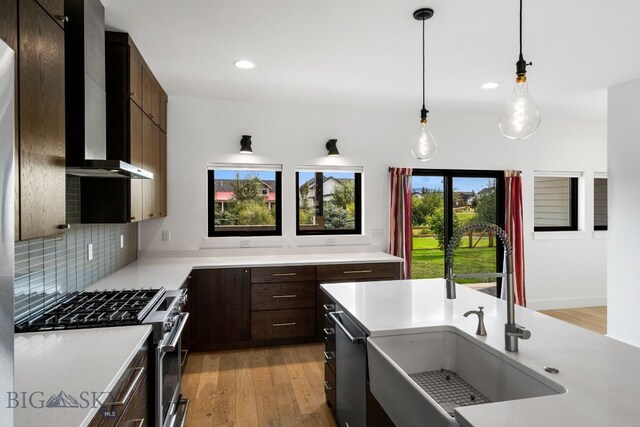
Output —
(376, 416)
(244, 307)
(130, 401)
(220, 308)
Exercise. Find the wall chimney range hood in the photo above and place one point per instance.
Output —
(86, 110)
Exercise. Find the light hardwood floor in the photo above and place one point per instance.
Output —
(283, 386)
(273, 386)
(592, 318)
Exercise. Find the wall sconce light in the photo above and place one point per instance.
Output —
(332, 147)
(245, 145)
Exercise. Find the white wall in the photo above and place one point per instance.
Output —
(560, 273)
(624, 205)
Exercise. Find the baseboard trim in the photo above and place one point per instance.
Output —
(552, 304)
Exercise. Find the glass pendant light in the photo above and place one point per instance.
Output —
(520, 118)
(424, 145)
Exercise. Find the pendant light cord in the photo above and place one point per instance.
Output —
(520, 29)
(423, 67)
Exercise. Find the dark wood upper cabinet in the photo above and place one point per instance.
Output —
(55, 8)
(132, 136)
(151, 163)
(164, 100)
(222, 301)
(41, 85)
(150, 95)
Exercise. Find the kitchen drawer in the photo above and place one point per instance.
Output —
(329, 333)
(278, 296)
(282, 323)
(283, 274)
(330, 388)
(348, 272)
(136, 413)
(130, 389)
(330, 360)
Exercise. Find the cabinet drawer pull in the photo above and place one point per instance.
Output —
(131, 388)
(282, 274)
(63, 18)
(329, 307)
(284, 296)
(327, 385)
(328, 355)
(275, 325)
(132, 218)
(329, 331)
(356, 271)
(132, 94)
(64, 226)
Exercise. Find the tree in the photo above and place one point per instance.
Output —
(486, 209)
(344, 195)
(424, 205)
(247, 189)
(337, 218)
(306, 212)
(251, 212)
(436, 224)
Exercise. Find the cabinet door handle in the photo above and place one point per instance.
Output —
(64, 226)
(329, 307)
(132, 387)
(329, 331)
(284, 296)
(328, 355)
(356, 271)
(132, 94)
(151, 215)
(275, 325)
(152, 116)
(327, 385)
(132, 218)
(283, 274)
(63, 18)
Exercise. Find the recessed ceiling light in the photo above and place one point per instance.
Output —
(490, 85)
(244, 65)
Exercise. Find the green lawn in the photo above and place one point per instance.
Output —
(428, 260)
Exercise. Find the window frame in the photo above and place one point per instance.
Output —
(573, 206)
(357, 230)
(600, 227)
(211, 228)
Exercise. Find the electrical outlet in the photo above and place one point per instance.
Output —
(331, 242)
(90, 251)
(245, 243)
(121, 241)
(166, 235)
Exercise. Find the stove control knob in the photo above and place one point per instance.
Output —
(183, 299)
(168, 324)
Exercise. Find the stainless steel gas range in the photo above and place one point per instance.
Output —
(159, 308)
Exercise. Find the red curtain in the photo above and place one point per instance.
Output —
(514, 229)
(400, 231)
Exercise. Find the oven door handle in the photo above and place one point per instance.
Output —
(171, 347)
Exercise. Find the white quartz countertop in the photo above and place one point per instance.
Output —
(80, 363)
(602, 375)
(171, 272)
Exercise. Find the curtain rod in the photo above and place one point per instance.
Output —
(436, 169)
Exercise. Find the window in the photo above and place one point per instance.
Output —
(329, 201)
(600, 204)
(244, 200)
(555, 203)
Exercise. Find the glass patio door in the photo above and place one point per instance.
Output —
(443, 201)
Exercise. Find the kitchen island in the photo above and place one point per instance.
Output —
(601, 375)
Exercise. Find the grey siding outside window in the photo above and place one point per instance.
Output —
(600, 204)
(555, 203)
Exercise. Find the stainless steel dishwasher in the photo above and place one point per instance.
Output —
(351, 371)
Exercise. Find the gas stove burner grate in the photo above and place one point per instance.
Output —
(95, 309)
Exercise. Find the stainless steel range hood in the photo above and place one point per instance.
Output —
(86, 117)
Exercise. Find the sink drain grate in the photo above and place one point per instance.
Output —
(448, 389)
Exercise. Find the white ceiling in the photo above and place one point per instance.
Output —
(341, 52)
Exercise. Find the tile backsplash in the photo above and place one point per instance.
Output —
(47, 269)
